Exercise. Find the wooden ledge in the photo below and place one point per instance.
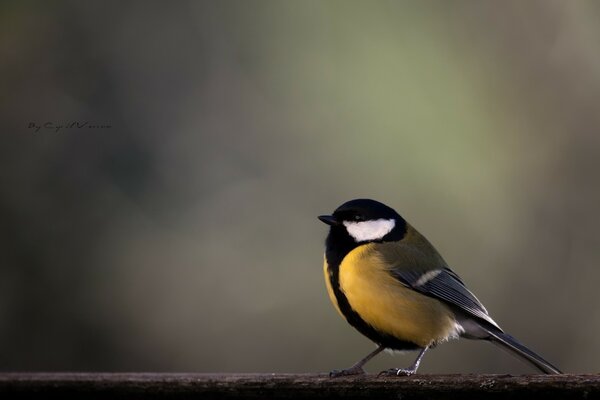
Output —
(188, 385)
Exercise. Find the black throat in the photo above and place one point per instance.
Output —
(337, 245)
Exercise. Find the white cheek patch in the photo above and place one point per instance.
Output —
(369, 230)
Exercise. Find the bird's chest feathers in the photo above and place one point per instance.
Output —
(387, 305)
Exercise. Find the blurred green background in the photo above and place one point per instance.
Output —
(184, 237)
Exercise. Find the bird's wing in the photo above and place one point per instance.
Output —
(444, 285)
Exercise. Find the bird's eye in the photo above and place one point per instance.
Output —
(357, 218)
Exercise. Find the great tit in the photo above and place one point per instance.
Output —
(393, 286)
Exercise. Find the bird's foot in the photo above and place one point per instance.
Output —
(397, 372)
(347, 372)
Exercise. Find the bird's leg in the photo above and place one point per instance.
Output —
(356, 369)
(405, 372)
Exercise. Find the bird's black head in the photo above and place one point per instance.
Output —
(362, 221)
(360, 210)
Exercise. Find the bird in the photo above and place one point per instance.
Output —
(391, 284)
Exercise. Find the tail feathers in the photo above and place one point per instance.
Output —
(508, 342)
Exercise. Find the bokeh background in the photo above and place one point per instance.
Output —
(180, 233)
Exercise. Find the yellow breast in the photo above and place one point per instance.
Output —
(389, 306)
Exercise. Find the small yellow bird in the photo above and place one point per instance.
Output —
(393, 286)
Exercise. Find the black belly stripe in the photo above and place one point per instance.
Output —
(334, 259)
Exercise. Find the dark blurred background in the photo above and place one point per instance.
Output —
(176, 229)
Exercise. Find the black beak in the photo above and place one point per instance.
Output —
(329, 219)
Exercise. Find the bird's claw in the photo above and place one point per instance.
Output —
(396, 372)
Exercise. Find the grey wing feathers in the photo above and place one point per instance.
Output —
(445, 285)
